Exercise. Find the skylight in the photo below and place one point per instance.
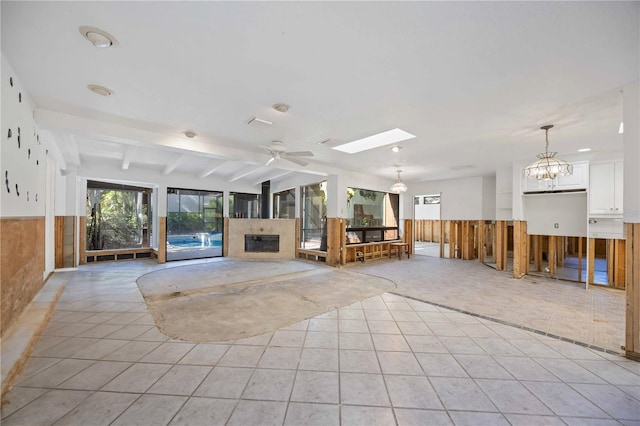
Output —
(381, 139)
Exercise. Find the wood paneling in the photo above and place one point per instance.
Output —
(501, 245)
(334, 245)
(408, 234)
(520, 249)
(21, 265)
(442, 237)
(162, 238)
(591, 254)
(82, 244)
(65, 237)
(343, 241)
(632, 311)
(482, 245)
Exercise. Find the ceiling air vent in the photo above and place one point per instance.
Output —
(259, 122)
(330, 143)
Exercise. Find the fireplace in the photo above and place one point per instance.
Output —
(261, 243)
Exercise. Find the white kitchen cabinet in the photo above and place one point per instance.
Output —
(605, 189)
(578, 180)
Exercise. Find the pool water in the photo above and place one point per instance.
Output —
(195, 240)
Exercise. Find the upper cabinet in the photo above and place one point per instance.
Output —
(605, 189)
(579, 180)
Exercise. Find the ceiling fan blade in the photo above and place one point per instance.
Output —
(296, 161)
(266, 148)
(300, 154)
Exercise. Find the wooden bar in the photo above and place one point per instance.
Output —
(520, 253)
(482, 246)
(580, 259)
(632, 310)
(343, 241)
(560, 251)
(297, 231)
(591, 254)
(537, 253)
(552, 255)
(82, 243)
(464, 237)
(610, 261)
(59, 241)
(442, 237)
(333, 241)
(501, 245)
(620, 263)
(162, 238)
(408, 234)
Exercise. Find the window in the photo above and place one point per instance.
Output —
(314, 216)
(118, 216)
(246, 206)
(284, 204)
(371, 215)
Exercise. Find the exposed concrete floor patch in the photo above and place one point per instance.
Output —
(231, 300)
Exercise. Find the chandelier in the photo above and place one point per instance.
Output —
(548, 167)
(398, 187)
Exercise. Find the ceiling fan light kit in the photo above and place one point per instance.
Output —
(548, 167)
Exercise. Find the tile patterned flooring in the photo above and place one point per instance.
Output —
(383, 361)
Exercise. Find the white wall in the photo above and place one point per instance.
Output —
(504, 193)
(426, 211)
(461, 198)
(631, 140)
(489, 197)
(24, 165)
(556, 214)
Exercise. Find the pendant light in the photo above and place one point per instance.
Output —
(398, 187)
(548, 167)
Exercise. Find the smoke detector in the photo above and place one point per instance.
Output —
(190, 134)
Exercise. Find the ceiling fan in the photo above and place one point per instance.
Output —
(277, 151)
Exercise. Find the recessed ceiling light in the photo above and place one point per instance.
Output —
(621, 128)
(98, 37)
(584, 150)
(375, 141)
(190, 134)
(280, 107)
(99, 90)
(396, 148)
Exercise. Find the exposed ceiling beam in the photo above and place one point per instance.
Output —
(129, 150)
(71, 146)
(211, 169)
(275, 174)
(173, 164)
(111, 128)
(246, 171)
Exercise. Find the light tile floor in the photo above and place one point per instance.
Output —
(386, 360)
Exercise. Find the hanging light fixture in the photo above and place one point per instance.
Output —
(398, 187)
(548, 167)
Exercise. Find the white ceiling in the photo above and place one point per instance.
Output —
(473, 81)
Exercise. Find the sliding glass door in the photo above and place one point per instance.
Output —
(194, 224)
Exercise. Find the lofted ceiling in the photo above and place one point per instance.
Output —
(473, 81)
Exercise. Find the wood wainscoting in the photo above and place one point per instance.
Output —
(21, 265)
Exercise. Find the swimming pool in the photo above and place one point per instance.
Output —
(201, 239)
